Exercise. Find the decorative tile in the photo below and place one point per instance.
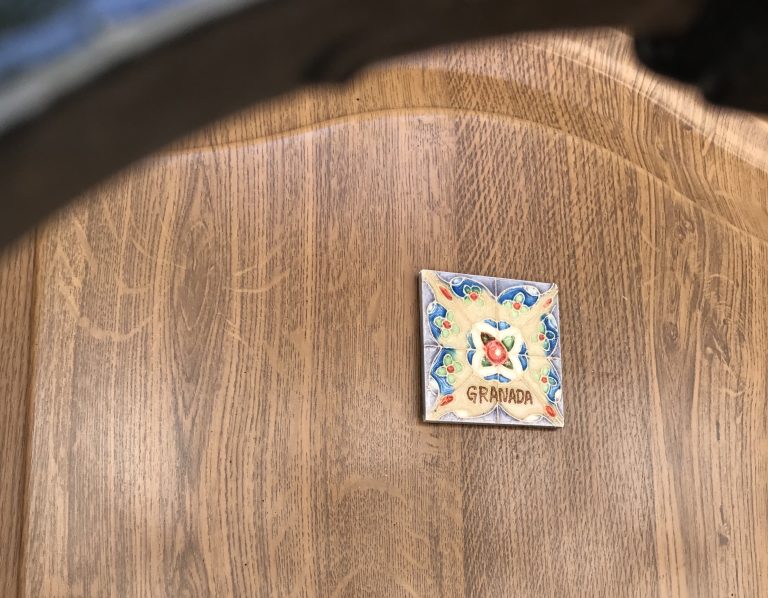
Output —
(491, 350)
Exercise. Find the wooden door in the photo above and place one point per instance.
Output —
(213, 367)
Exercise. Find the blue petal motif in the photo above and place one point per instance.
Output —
(530, 294)
(550, 325)
(435, 310)
(553, 373)
(491, 323)
(523, 360)
(442, 383)
(460, 284)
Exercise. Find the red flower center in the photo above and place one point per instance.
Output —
(544, 379)
(446, 324)
(541, 337)
(516, 305)
(496, 352)
(473, 296)
(450, 369)
(550, 411)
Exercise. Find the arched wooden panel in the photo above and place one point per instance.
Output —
(226, 386)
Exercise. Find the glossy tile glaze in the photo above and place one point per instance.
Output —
(491, 350)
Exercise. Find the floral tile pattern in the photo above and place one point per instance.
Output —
(491, 350)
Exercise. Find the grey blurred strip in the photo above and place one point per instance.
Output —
(32, 91)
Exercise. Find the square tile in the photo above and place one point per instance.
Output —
(491, 350)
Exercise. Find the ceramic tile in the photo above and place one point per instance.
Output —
(538, 399)
(488, 343)
(485, 292)
(516, 299)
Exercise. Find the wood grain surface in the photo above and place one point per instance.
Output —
(226, 381)
(16, 297)
(148, 93)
